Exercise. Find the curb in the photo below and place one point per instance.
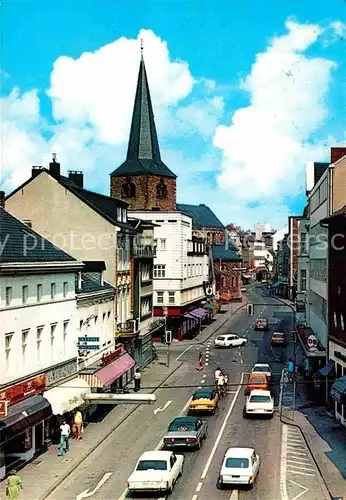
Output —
(83, 457)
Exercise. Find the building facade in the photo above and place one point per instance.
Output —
(303, 268)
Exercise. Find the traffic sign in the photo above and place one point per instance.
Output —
(88, 347)
(89, 339)
(3, 409)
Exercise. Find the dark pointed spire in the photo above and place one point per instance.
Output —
(143, 154)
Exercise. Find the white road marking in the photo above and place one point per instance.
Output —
(200, 387)
(182, 354)
(301, 473)
(301, 493)
(194, 497)
(301, 453)
(206, 363)
(283, 471)
(218, 439)
(307, 469)
(205, 375)
(85, 493)
(162, 409)
(199, 486)
(203, 381)
(299, 460)
(234, 495)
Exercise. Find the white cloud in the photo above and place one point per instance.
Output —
(267, 144)
(339, 28)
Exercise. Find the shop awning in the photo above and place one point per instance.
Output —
(199, 313)
(189, 316)
(68, 396)
(276, 284)
(22, 415)
(328, 369)
(338, 390)
(110, 373)
(209, 306)
(224, 297)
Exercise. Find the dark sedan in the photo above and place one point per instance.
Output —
(185, 432)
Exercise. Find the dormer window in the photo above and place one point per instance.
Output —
(128, 189)
(161, 190)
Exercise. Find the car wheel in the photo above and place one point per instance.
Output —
(199, 444)
(244, 414)
(219, 484)
(244, 343)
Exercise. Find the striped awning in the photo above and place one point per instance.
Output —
(110, 373)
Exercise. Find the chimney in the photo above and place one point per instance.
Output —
(35, 171)
(54, 168)
(2, 199)
(336, 154)
(76, 177)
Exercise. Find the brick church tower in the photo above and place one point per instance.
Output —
(143, 180)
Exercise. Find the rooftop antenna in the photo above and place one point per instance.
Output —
(142, 48)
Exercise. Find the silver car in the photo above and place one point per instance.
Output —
(185, 432)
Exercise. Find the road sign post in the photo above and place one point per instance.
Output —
(168, 336)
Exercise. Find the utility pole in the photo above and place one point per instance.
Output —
(168, 336)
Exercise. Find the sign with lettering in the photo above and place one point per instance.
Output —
(60, 372)
(89, 347)
(18, 392)
(8, 432)
(88, 339)
(3, 409)
(111, 356)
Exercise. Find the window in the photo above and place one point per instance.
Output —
(160, 297)
(119, 214)
(233, 281)
(185, 271)
(342, 322)
(161, 190)
(303, 279)
(65, 288)
(52, 290)
(39, 331)
(65, 332)
(39, 292)
(25, 293)
(318, 269)
(163, 244)
(52, 334)
(128, 189)
(303, 247)
(25, 334)
(171, 297)
(160, 271)
(8, 344)
(9, 294)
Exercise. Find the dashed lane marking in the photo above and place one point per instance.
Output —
(194, 497)
(199, 486)
(206, 364)
(234, 495)
(203, 381)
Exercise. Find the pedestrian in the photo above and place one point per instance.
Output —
(13, 486)
(65, 430)
(290, 370)
(137, 380)
(78, 424)
(307, 368)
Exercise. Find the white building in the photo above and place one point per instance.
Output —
(181, 266)
(279, 236)
(263, 259)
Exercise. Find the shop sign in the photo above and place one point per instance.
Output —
(19, 392)
(60, 373)
(111, 356)
(3, 409)
(27, 421)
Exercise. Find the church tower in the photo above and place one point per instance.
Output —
(143, 180)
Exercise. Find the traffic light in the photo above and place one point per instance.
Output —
(168, 335)
(293, 336)
(249, 309)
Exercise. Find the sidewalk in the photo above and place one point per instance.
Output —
(42, 476)
(325, 436)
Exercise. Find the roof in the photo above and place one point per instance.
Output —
(143, 154)
(202, 216)
(185, 419)
(105, 206)
(260, 392)
(206, 390)
(91, 282)
(157, 455)
(19, 243)
(239, 452)
(229, 254)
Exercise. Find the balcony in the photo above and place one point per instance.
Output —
(128, 327)
(148, 251)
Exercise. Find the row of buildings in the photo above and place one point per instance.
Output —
(87, 281)
(310, 268)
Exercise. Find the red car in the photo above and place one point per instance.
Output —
(262, 324)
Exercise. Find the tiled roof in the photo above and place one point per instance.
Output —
(19, 243)
(143, 154)
(91, 282)
(227, 254)
(202, 216)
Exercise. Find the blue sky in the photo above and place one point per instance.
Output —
(244, 93)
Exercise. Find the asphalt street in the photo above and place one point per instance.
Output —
(104, 474)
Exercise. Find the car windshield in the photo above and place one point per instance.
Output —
(202, 395)
(237, 463)
(152, 465)
(261, 369)
(182, 426)
(259, 399)
(258, 380)
(278, 335)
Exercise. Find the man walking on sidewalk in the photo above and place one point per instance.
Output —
(137, 377)
(65, 430)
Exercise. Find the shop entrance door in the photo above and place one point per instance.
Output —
(39, 439)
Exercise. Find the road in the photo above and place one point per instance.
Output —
(104, 474)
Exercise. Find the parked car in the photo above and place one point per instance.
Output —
(156, 471)
(229, 340)
(262, 324)
(262, 368)
(257, 380)
(259, 403)
(278, 338)
(204, 400)
(243, 290)
(240, 466)
(185, 432)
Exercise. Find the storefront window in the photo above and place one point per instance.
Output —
(28, 439)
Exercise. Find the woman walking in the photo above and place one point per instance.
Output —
(13, 486)
(137, 380)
